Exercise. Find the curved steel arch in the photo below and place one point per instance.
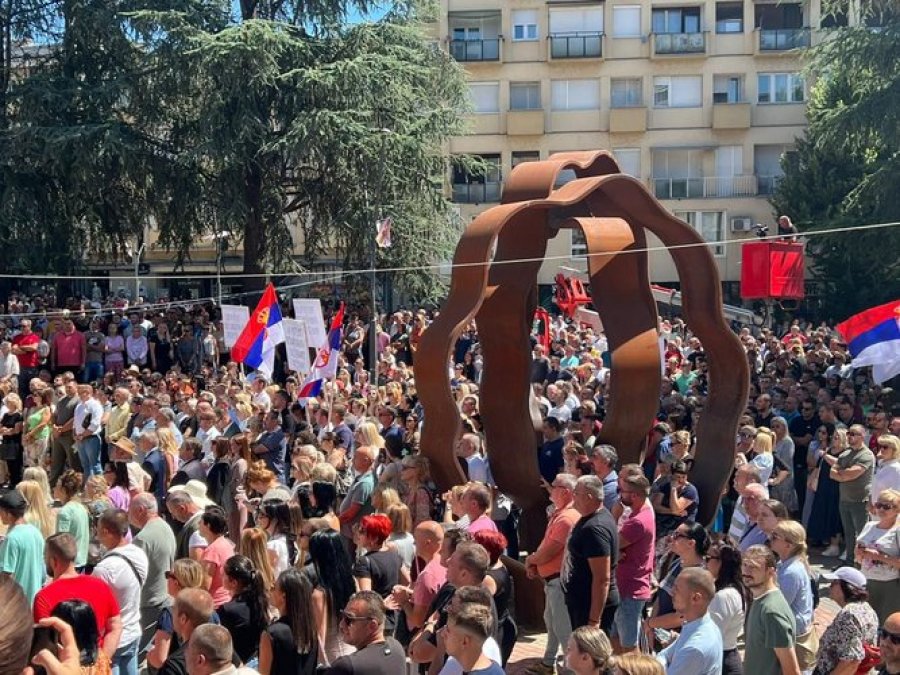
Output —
(502, 298)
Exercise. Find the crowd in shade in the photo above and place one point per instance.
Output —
(166, 512)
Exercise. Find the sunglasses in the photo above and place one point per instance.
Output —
(884, 506)
(680, 535)
(893, 638)
(853, 433)
(350, 618)
(711, 557)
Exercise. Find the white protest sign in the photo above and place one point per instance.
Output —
(589, 318)
(310, 312)
(297, 347)
(234, 318)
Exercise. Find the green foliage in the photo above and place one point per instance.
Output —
(847, 167)
(292, 127)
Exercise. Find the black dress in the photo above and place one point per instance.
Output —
(11, 447)
(506, 625)
(162, 352)
(286, 660)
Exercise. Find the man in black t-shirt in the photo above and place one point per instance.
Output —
(362, 625)
(589, 571)
(803, 430)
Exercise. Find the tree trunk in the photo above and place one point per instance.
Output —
(254, 230)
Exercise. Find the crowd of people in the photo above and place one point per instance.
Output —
(165, 511)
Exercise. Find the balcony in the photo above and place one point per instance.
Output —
(676, 44)
(704, 187)
(731, 116)
(783, 39)
(473, 51)
(525, 123)
(627, 120)
(477, 193)
(579, 45)
(767, 184)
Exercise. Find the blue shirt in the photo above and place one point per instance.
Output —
(550, 458)
(697, 650)
(610, 490)
(794, 582)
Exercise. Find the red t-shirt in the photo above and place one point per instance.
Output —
(636, 560)
(91, 590)
(68, 348)
(28, 359)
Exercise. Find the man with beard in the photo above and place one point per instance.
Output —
(769, 632)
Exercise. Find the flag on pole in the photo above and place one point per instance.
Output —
(873, 337)
(255, 346)
(383, 232)
(326, 363)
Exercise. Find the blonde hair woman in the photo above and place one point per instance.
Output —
(185, 573)
(878, 552)
(37, 513)
(384, 497)
(887, 475)
(762, 453)
(415, 474)
(636, 664)
(39, 476)
(11, 437)
(254, 541)
(788, 541)
(367, 434)
(168, 445)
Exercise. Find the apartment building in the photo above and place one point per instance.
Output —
(699, 99)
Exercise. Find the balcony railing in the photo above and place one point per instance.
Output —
(475, 50)
(679, 43)
(580, 45)
(476, 193)
(766, 185)
(783, 39)
(707, 186)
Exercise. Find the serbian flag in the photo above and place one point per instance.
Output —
(873, 337)
(326, 363)
(255, 345)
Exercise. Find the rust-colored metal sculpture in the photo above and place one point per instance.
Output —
(498, 289)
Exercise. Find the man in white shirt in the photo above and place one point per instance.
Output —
(477, 468)
(260, 396)
(476, 595)
(124, 568)
(88, 417)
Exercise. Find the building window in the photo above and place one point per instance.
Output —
(710, 225)
(521, 156)
(767, 165)
(478, 188)
(626, 21)
(781, 88)
(626, 92)
(729, 17)
(524, 22)
(629, 160)
(676, 20)
(485, 96)
(525, 96)
(575, 95)
(678, 92)
(576, 20)
(728, 89)
(778, 16)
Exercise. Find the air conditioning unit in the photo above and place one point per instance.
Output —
(741, 224)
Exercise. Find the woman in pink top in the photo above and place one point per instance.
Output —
(213, 526)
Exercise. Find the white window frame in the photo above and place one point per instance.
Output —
(666, 84)
(627, 80)
(532, 105)
(619, 10)
(793, 79)
(569, 96)
(496, 86)
(527, 21)
(694, 217)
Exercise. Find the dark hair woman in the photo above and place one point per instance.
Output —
(276, 519)
(217, 477)
(503, 591)
(723, 560)
(689, 543)
(290, 646)
(213, 527)
(80, 616)
(335, 585)
(247, 614)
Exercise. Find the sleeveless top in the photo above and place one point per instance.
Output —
(503, 596)
(286, 660)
